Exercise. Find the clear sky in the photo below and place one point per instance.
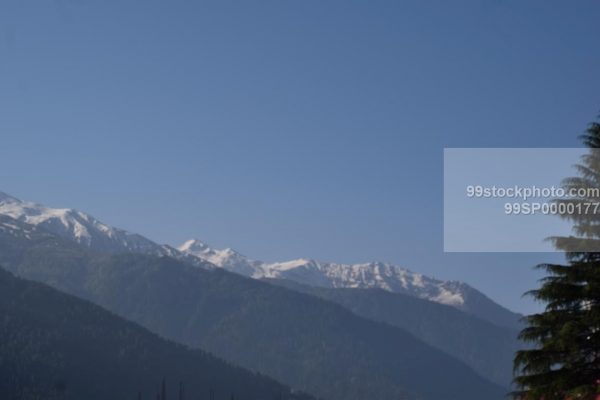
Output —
(289, 129)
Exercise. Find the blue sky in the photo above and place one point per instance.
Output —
(289, 129)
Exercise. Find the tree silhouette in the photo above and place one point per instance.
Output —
(181, 391)
(565, 360)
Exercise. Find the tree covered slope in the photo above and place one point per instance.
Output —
(56, 346)
(487, 348)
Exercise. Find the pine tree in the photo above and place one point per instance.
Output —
(564, 363)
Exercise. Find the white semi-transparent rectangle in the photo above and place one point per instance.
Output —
(515, 199)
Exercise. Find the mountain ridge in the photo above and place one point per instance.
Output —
(90, 232)
(371, 275)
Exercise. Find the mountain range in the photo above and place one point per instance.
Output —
(301, 340)
(372, 275)
(187, 294)
(91, 233)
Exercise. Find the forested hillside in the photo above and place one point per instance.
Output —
(486, 347)
(56, 346)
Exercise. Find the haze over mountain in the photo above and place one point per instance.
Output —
(88, 231)
(301, 340)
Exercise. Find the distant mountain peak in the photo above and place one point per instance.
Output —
(226, 258)
(325, 274)
(86, 230)
(197, 245)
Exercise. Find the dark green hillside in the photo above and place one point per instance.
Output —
(56, 346)
(486, 347)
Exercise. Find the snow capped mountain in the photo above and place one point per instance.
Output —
(76, 226)
(310, 272)
(365, 276)
(227, 258)
(86, 230)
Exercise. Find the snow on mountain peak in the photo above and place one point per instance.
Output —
(193, 245)
(292, 264)
(314, 273)
(226, 258)
(65, 222)
(85, 229)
